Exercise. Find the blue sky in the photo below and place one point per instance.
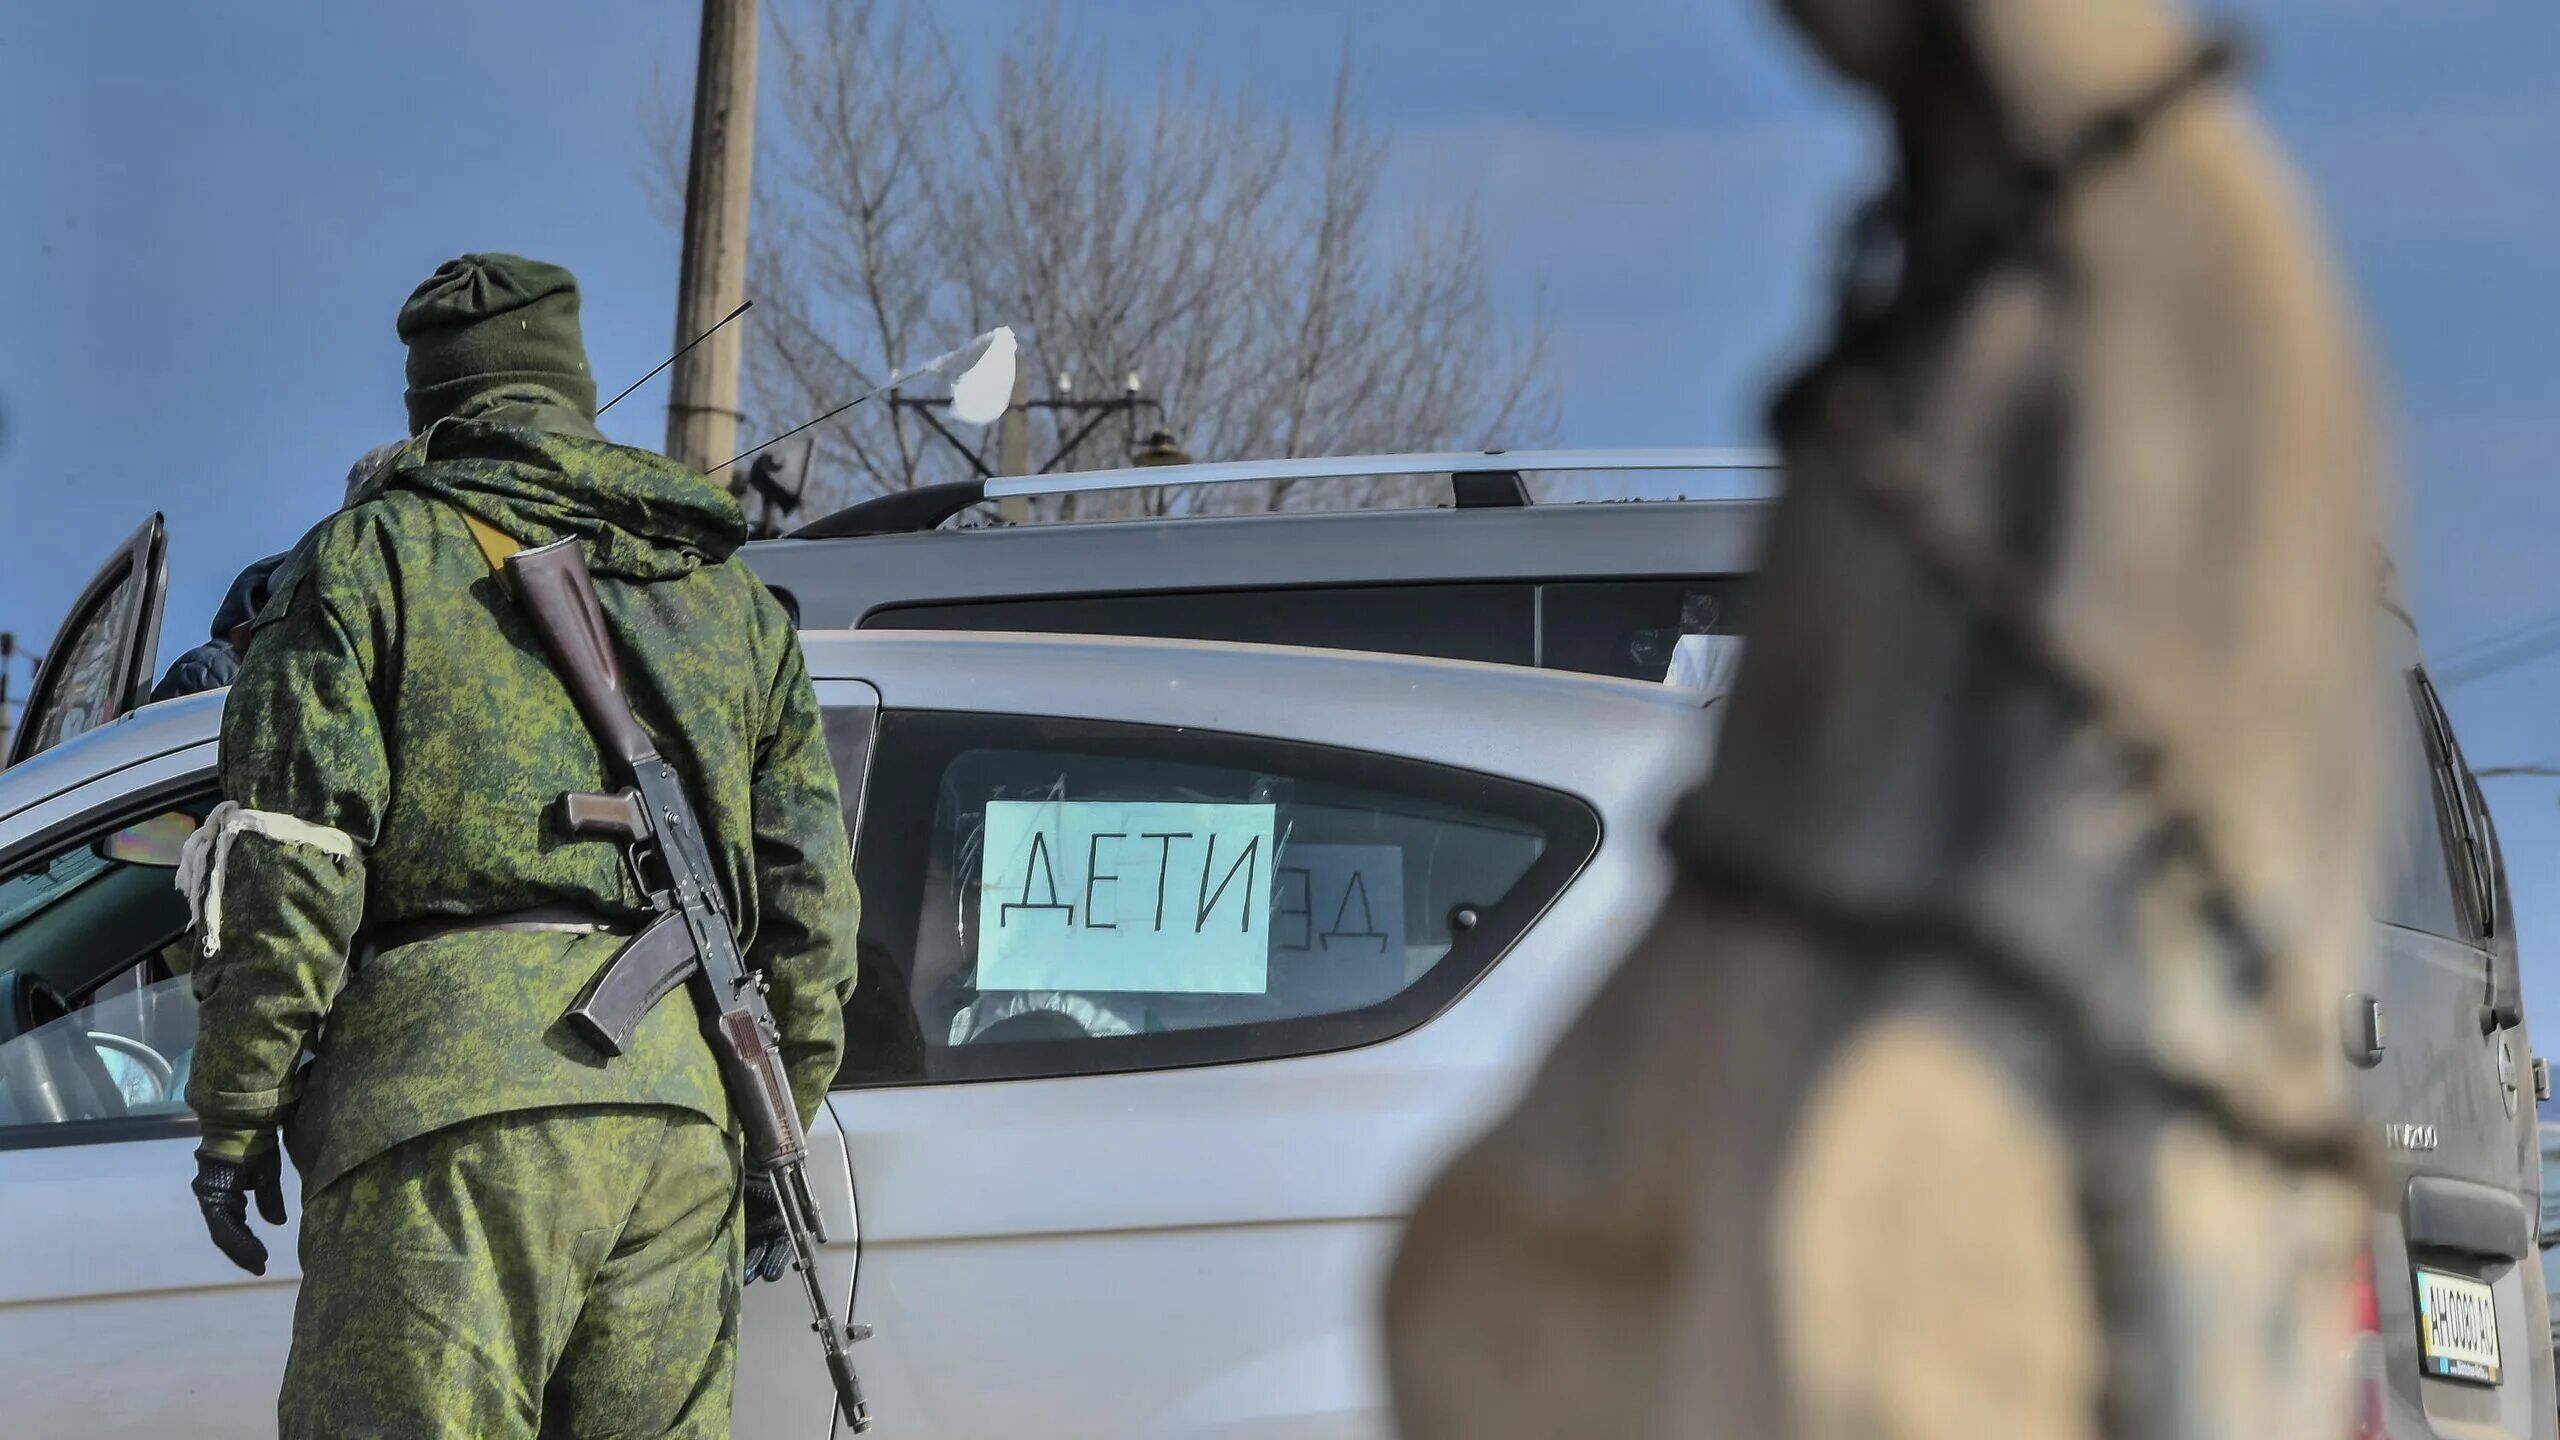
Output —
(209, 214)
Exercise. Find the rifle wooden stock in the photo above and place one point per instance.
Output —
(552, 583)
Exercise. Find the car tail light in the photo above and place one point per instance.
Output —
(2364, 1356)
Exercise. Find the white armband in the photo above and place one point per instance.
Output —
(208, 852)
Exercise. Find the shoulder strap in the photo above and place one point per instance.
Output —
(496, 544)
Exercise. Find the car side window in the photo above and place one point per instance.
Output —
(1062, 897)
(97, 1016)
(1629, 628)
(2415, 887)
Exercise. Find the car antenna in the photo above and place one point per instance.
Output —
(743, 307)
(981, 375)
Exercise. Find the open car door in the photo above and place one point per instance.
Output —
(100, 663)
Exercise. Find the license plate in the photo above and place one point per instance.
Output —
(2457, 1328)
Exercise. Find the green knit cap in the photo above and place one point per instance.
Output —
(482, 321)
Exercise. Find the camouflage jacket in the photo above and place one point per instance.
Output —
(394, 698)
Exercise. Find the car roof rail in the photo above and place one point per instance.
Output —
(1488, 489)
(1479, 478)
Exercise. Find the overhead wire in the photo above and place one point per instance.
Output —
(2500, 653)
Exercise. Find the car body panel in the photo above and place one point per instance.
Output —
(840, 583)
(1024, 1242)
(1196, 1252)
(1445, 711)
(145, 733)
(2450, 1104)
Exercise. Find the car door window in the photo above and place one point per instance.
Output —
(97, 1017)
(1051, 897)
(99, 664)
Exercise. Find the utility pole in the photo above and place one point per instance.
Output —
(702, 398)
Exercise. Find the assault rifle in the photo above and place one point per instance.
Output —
(691, 942)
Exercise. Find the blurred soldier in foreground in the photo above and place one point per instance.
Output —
(1978, 1076)
(216, 662)
(503, 1233)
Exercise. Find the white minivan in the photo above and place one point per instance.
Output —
(1095, 1198)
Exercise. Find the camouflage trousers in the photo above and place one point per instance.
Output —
(563, 1272)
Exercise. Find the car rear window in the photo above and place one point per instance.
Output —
(1492, 623)
(2415, 887)
(1625, 628)
(1056, 897)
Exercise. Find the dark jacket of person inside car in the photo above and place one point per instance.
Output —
(216, 663)
(213, 664)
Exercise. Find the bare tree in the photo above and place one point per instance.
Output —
(1190, 239)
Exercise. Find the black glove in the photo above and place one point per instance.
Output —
(223, 1188)
(768, 1239)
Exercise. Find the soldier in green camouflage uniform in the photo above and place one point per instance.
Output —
(504, 1233)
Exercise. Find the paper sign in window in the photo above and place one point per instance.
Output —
(1100, 895)
(1337, 925)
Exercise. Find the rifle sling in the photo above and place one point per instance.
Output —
(495, 544)
(547, 919)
